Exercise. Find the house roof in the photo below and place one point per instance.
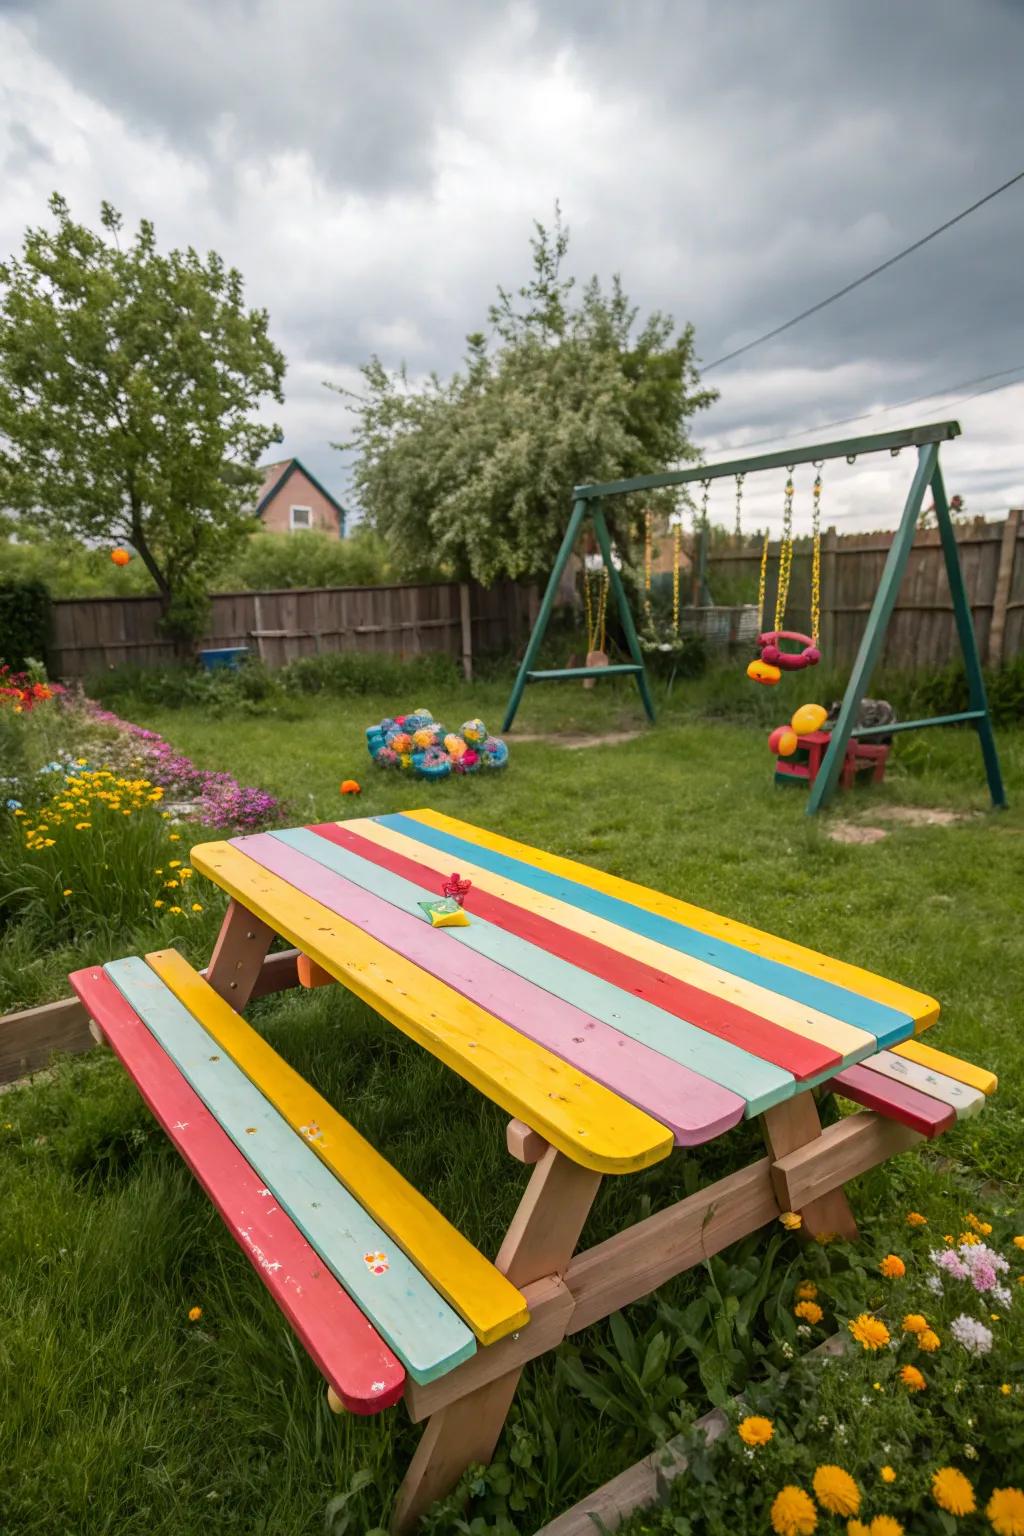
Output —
(275, 476)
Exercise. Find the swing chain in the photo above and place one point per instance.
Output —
(706, 488)
(739, 503)
(816, 555)
(677, 550)
(785, 551)
(648, 560)
(595, 624)
(762, 581)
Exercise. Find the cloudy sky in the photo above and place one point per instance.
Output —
(373, 169)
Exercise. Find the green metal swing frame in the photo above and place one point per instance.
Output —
(587, 503)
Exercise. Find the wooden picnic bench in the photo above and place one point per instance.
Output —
(611, 1022)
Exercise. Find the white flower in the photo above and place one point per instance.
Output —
(841, 1431)
(803, 1330)
(934, 1284)
(866, 1401)
(1001, 1294)
(970, 1453)
(823, 1421)
(974, 1336)
(787, 1349)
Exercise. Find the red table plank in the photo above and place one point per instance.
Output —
(761, 1037)
(896, 1100)
(345, 1347)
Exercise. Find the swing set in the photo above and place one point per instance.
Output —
(774, 658)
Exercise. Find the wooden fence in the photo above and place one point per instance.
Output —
(922, 633)
(452, 618)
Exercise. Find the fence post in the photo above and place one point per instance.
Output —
(466, 621)
(1004, 580)
(829, 571)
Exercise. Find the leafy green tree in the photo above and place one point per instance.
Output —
(477, 472)
(129, 382)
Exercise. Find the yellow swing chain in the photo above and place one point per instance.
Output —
(648, 561)
(677, 553)
(595, 624)
(785, 553)
(816, 558)
(762, 582)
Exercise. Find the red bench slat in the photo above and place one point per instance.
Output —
(345, 1347)
(896, 1100)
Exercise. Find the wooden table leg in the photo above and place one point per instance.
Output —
(238, 955)
(540, 1241)
(792, 1124)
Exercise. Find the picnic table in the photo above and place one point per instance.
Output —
(613, 1023)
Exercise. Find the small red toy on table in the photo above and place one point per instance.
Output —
(803, 766)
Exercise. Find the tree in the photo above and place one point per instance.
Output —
(128, 385)
(476, 474)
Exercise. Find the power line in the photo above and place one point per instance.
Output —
(843, 421)
(842, 292)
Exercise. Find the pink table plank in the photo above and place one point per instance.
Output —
(665, 1089)
(345, 1347)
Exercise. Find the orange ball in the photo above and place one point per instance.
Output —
(763, 672)
(788, 743)
(350, 787)
(120, 556)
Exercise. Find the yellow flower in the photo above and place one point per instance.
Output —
(47, 842)
(67, 891)
(792, 1223)
(194, 1314)
(893, 1267)
(857, 1528)
(952, 1492)
(915, 1219)
(81, 761)
(174, 864)
(170, 885)
(836, 1491)
(912, 1379)
(1018, 1242)
(885, 1525)
(869, 1331)
(174, 909)
(809, 1311)
(197, 906)
(792, 1512)
(158, 871)
(1006, 1389)
(174, 837)
(754, 1430)
(878, 1386)
(887, 1474)
(969, 1238)
(807, 1291)
(158, 903)
(186, 873)
(928, 1341)
(81, 826)
(914, 1322)
(1005, 1510)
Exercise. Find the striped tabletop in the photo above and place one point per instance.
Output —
(614, 1019)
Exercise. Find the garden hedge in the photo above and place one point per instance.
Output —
(25, 618)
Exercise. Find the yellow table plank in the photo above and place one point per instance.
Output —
(481, 1295)
(808, 1022)
(939, 1061)
(923, 1009)
(584, 1120)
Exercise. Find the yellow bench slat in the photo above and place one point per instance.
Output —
(939, 1061)
(482, 1296)
(586, 1121)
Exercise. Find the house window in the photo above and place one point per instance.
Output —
(302, 518)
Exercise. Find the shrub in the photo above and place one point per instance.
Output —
(24, 622)
(273, 560)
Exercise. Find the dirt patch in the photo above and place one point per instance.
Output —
(847, 832)
(921, 816)
(576, 743)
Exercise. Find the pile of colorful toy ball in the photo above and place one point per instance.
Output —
(785, 739)
(419, 744)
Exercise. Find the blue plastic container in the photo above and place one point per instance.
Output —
(231, 656)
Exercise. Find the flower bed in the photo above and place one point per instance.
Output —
(917, 1427)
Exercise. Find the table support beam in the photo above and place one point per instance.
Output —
(238, 955)
(539, 1244)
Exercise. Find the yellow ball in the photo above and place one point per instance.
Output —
(787, 743)
(809, 717)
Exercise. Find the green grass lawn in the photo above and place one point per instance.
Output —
(120, 1417)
